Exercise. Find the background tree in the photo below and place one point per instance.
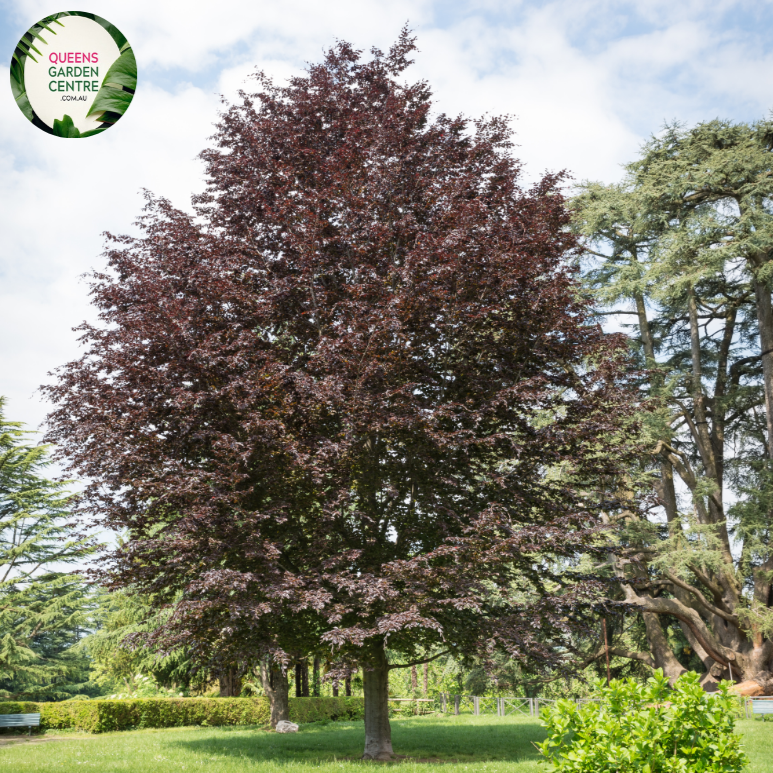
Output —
(117, 666)
(43, 610)
(357, 394)
(683, 245)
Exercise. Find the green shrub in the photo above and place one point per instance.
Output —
(645, 728)
(304, 710)
(99, 716)
(78, 715)
(18, 707)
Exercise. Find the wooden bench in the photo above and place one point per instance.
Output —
(762, 706)
(20, 720)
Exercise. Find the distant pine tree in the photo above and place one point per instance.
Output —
(120, 666)
(44, 610)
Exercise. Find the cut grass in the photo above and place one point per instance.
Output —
(493, 744)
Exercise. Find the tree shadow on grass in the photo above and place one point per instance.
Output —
(421, 739)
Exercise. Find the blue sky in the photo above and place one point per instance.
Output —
(587, 82)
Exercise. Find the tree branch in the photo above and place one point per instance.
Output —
(690, 617)
(702, 599)
(716, 590)
(643, 657)
(418, 662)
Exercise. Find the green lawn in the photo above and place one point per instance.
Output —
(481, 743)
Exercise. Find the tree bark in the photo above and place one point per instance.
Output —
(414, 680)
(305, 678)
(661, 651)
(315, 679)
(426, 679)
(761, 684)
(378, 733)
(276, 685)
(230, 683)
(765, 323)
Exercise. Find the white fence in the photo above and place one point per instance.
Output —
(502, 707)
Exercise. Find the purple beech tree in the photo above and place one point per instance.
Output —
(357, 398)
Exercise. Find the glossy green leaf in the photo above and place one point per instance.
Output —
(115, 33)
(24, 48)
(19, 90)
(17, 78)
(109, 117)
(65, 128)
(24, 105)
(123, 71)
(92, 132)
(110, 99)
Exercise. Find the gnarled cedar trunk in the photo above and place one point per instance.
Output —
(276, 685)
(378, 733)
(230, 683)
(760, 684)
(661, 651)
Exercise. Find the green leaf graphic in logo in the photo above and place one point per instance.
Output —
(117, 89)
(23, 50)
(66, 128)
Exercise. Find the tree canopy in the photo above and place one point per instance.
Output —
(684, 245)
(357, 398)
(44, 609)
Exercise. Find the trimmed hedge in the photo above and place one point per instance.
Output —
(303, 710)
(99, 716)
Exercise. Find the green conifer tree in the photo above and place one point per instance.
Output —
(683, 247)
(44, 608)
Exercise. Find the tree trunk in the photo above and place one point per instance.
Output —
(298, 680)
(305, 678)
(414, 680)
(661, 651)
(765, 323)
(315, 679)
(761, 684)
(348, 686)
(230, 683)
(277, 686)
(378, 733)
(426, 679)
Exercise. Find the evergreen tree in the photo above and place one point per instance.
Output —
(118, 665)
(44, 610)
(684, 245)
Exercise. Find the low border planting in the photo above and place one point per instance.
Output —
(100, 716)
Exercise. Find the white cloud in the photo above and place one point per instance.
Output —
(587, 79)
